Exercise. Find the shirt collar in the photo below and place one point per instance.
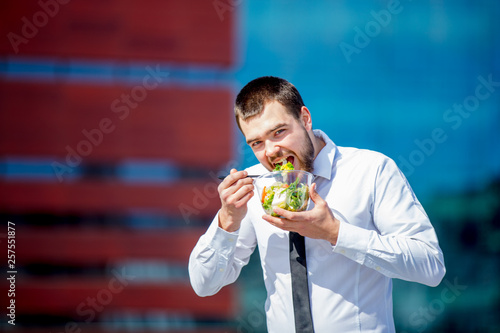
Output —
(323, 163)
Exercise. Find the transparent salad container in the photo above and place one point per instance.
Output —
(288, 189)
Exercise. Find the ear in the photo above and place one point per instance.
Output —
(305, 117)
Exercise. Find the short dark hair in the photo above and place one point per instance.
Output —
(257, 93)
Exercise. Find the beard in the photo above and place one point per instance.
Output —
(303, 158)
(306, 154)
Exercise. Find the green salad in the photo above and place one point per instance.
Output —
(284, 167)
(289, 196)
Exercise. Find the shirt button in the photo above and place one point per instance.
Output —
(221, 269)
(342, 251)
(377, 268)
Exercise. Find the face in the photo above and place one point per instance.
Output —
(275, 136)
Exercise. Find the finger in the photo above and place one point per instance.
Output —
(276, 221)
(236, 192)
(233, 177)
(293, 218)
(243, 194)
(284, 214)
(313, 194)
(226, 191)
(234, 187)
(241, 202)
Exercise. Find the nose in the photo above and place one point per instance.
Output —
(272, 149)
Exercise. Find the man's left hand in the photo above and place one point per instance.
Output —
(318, 223)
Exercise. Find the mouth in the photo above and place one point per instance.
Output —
(283, 160)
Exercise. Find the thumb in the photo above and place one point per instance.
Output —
(314, 195)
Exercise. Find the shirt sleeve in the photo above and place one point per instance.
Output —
(404, 244)
(218, 257)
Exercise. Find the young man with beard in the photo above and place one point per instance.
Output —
(365, 228)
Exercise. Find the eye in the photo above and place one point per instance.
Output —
(255, 144)
(278, 132)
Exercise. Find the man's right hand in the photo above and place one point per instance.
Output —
(235, 191)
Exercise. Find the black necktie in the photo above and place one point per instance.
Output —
(300, 289)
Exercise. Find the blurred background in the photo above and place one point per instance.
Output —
(116, 118)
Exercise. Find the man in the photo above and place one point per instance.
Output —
(365, 227)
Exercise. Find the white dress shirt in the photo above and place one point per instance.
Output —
(384, 234)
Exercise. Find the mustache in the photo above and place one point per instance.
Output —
(279, 156)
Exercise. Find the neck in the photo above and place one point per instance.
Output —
(318, 143)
